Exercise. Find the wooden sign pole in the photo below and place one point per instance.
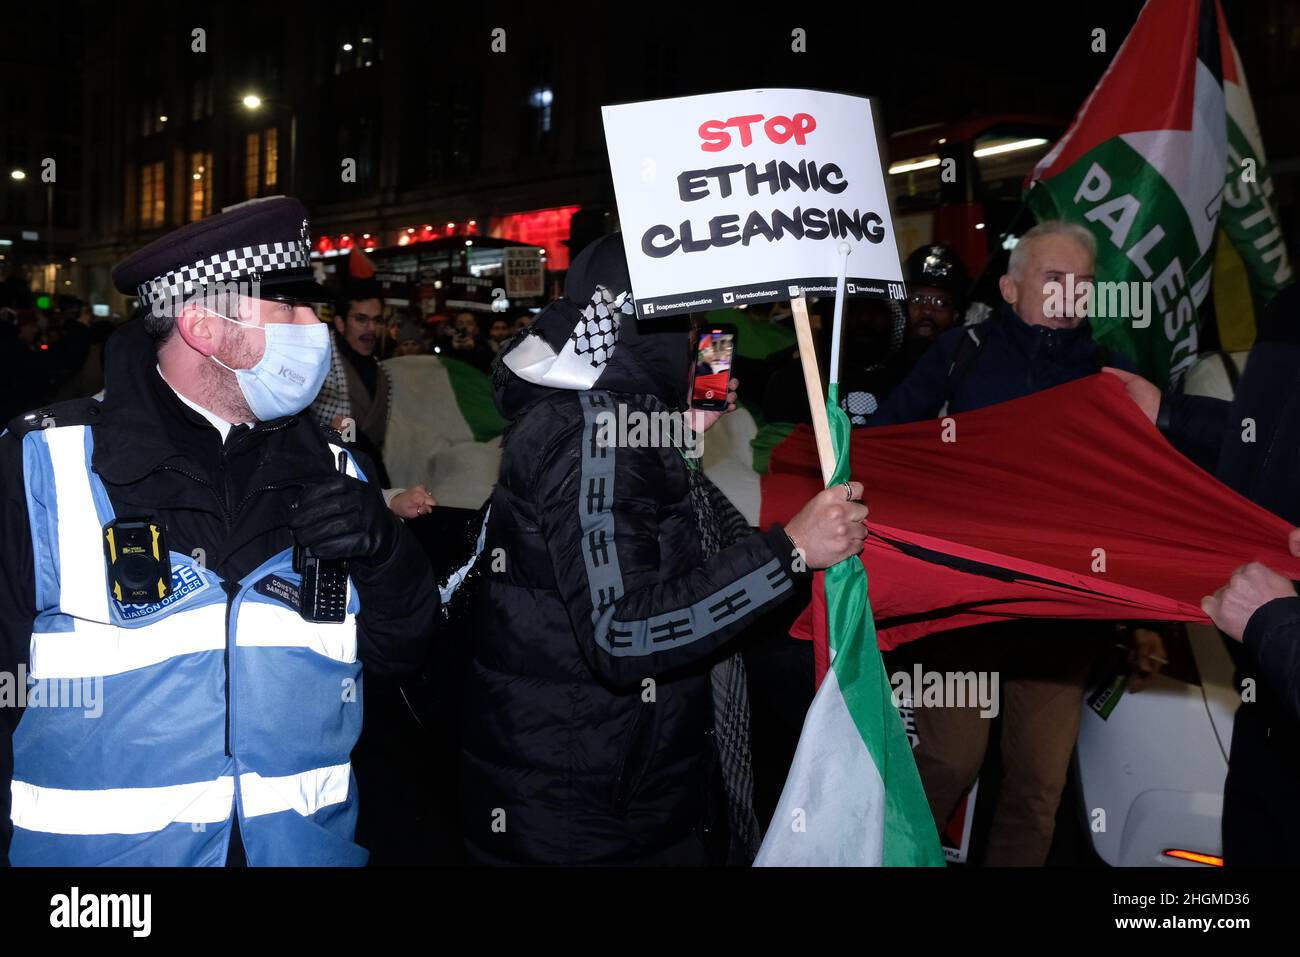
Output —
(812, 380)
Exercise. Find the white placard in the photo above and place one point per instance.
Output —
(525, 271)
(733, 198)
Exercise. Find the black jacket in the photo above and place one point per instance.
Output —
(1016, 360)
(588, 724)
(1252, 445)
(159, 458)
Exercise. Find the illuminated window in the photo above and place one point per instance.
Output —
(153, 195)
(272, 164)
(252, 161)
(200, 185)
(546, 228)
(540, 99)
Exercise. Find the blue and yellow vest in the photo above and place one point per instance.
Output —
(153, 725)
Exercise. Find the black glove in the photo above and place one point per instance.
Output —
(343, 517)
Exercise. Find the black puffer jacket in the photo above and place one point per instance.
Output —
(588, 732)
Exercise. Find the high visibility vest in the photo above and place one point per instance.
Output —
(148, 727)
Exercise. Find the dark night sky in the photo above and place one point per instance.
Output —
(928, 61)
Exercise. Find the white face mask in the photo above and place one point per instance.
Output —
(289, 374)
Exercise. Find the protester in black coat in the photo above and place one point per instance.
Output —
(1252, 444)
(589, 724)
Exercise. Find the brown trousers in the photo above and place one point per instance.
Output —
(1041, 668)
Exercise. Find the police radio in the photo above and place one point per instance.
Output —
(324, 593)
(139, 565)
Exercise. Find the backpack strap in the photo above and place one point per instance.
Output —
(968, 349)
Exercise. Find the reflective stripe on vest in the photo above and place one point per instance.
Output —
(112, 788)
(144, 810)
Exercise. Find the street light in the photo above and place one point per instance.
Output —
(253, 102)
(17, 174)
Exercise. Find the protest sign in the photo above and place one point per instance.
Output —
(733, 198)
(525, 271)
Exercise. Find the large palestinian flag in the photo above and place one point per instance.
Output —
(1142, 166)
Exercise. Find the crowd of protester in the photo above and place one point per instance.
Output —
(933, 354)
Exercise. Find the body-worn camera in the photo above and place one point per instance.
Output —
(139, 565)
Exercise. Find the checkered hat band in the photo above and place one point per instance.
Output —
(246, 262)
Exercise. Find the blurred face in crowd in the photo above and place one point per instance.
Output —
(410, 347)
(360, 327)
(523, 322)
(930, 311)
(1049, 259)
(466, 325)
(867, 326)
(500, 330)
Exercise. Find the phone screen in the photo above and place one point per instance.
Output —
(713, 356)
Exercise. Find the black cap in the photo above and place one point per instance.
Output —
(603, 263)
(939, 266)
(265, 241)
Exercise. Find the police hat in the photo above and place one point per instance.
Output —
(939, 266)
(264, 241)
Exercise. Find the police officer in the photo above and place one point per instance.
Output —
(192, 692)
(937, 283)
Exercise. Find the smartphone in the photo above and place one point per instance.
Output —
(713, 358)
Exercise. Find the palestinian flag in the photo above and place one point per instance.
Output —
(1142, 167)
(443, 429)
(853, 796)
(1251, 263)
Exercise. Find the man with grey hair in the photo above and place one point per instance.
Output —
(1037, 339)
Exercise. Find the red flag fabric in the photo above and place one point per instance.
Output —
(1065, 504)
(359, 265)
